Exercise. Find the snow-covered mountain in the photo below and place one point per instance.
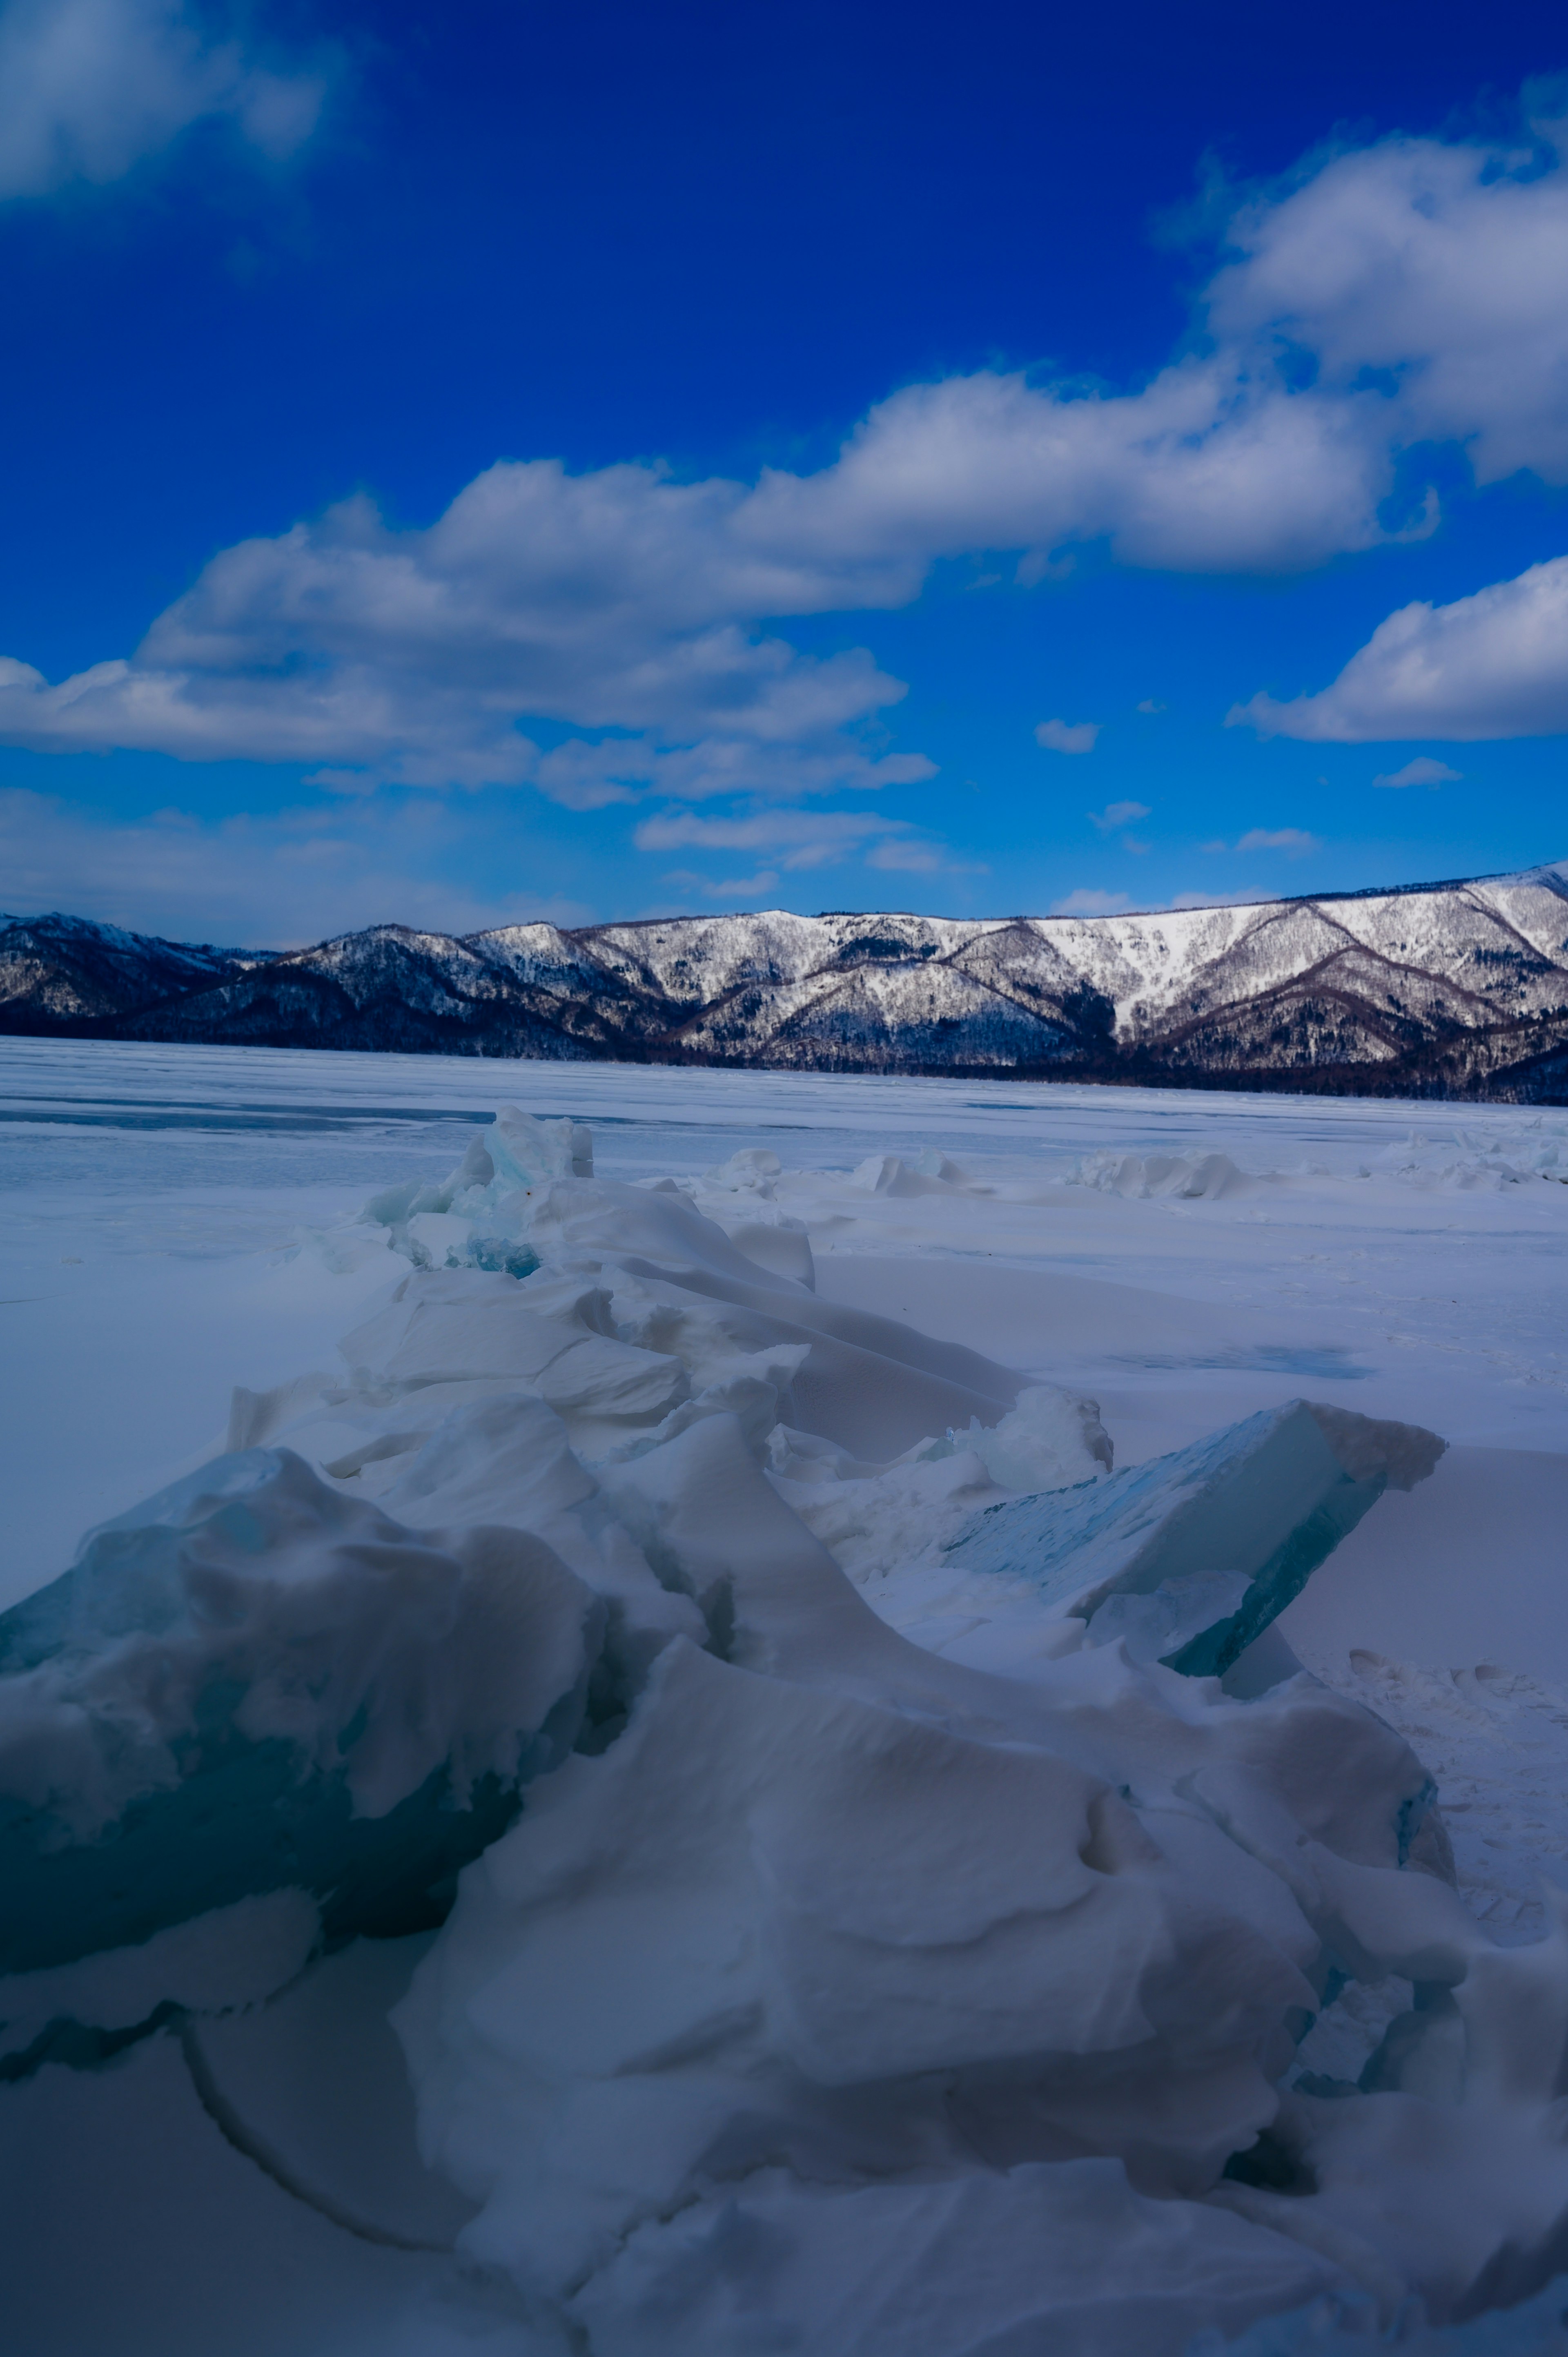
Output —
(1452, 989)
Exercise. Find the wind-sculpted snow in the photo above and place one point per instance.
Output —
(868, 1924)
(1442, 990)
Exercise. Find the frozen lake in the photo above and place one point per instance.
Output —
(826, 1881)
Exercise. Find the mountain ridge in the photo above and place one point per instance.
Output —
(1457, 989)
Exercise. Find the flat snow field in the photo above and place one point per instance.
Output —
(1183, 1259)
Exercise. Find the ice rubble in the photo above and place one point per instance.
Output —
(829, 1988)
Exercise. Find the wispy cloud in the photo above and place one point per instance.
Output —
(1294, 841)
(1117, 815)
(90, 89)
(800, 839)
(729, 887)
(1422, 772)
(1087, 902)
(276, 882)
(795, 839)
(899, 856)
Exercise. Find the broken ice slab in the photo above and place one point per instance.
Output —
(251, 1683)
(1190, 1556)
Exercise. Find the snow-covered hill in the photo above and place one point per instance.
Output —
(1452, 989)
(67, 974)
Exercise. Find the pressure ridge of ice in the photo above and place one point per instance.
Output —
(867, 1922)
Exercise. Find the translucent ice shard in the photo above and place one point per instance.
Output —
(251, 1683)
(1191, 1555)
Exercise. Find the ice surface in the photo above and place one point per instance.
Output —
(881, 1957)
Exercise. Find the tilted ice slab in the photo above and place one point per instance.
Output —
(824, 1985)
(1188, 1557)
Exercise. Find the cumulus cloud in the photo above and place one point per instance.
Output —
(1422, 772)
(621, 633)
(611, 601)
(1435, 265)
(1492, 665)
(89, 89)
(1066, 737)
(1117, 815)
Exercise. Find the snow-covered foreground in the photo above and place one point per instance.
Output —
(942, 1915)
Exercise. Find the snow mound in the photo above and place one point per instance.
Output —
(931, 1174)
(1175, 1178)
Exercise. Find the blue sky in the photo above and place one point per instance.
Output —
(499, 462)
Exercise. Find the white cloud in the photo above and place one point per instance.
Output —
(1148, 703)
(1086, 902)
(606, 601)
(1438, 262)
(89, 89)
(262, 883)
(1391, 294)
(1116, 815)
(1066, 737)
(1492, 665)
(1422, 772)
